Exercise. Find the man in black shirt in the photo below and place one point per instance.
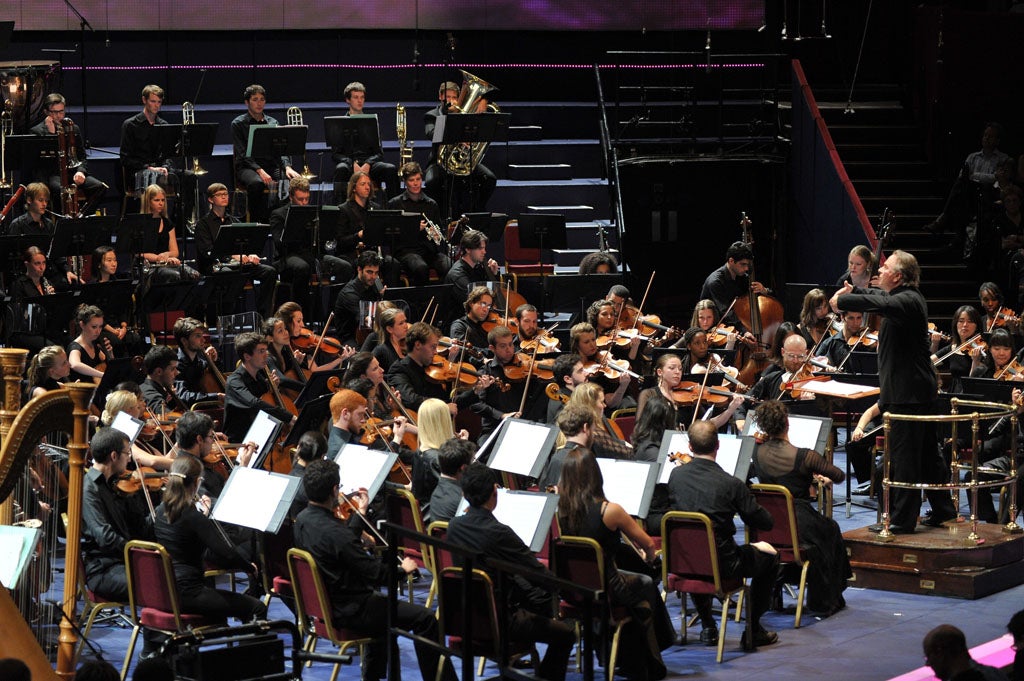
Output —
(194, 358)
(502, 400)
(472, 267)
(246, 385)
(158, 390)
(703, 487)
(351, 575)
(908, 386)
(470, 327)
(109, 520)
(90, 186)
(208, 262)
(358, 159)
(365, 287)
(257, 174)
(529, 606)
(417, 259)
(408, 375)
(730, 281)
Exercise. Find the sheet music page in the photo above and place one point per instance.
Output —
(624, 483)
(519, 448)
(728, 453)
(236, 505)
(837, 388)
(521, 512)
(360, 466)
(11, 546)
(128, 425)
(804, 432)
(260, 431)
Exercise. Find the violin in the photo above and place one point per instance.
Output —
(803, 374)
(443, 370)
(307, 340)
(131, 482)
(519, 369)
(608, 367)
(719, 335)
(868, 340)
(685, 394)
(495, 320)
(935, 333)
(215, 462)
(1013, 371)
(680, 457)
(1002, 317)
(543, 343)
(446, 342)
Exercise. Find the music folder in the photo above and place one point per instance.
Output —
(263, 431)
(528, 514)
(523, 447)
(127, 424)
(734, 453)
(810, 432)
(256, 499)
(362, 467)
(353, 134)
(630, 484)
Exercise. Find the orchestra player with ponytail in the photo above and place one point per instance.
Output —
(47, 371)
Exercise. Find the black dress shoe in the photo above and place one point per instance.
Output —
(709, 636)
(936, 521)
(762, 637)
(894, 529)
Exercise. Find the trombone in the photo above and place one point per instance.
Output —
(188, 117)
(6, 129)
(295, 118)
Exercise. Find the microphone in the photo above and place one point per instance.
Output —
(62, 615)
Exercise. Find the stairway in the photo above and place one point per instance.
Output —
(882, 150)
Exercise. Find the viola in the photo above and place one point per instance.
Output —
(543, 343)
(719, 335)
(553, 392)
(1002, 317)
(307, 340)
(802, 375)
(519, 369)
(446, 342)
(442, 370)
(215, 462)
(608, 367)
(495, 320)
(131, 482)
(687, 393)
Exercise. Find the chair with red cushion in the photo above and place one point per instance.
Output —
(784, 535)
(313, 607)
(519, 261)
(151, 588)
(404, 510)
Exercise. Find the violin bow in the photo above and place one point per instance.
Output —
(526, 384)
(643, 301)
(145, 490)
(863, 333)
(700, 396)
(327, 325)
(366, 521)
(430, 303)
(458, 369)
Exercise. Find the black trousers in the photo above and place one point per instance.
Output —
(559, 636)
(915, 457)
(383, 174)
(111, 583)
(219, 604)
(762, 568)
(418, 267)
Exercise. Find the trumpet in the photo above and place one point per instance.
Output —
(433, 231)
(404, 147)
(188, 117)
(295, 118)
(6, 129)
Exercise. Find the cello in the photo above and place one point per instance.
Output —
(761, 315)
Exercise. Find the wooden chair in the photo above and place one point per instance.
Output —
(784, 535)
(690, 566)
(519, 261)
(403, 509)
(152, 587)
(580, 560)
(485, 641)
(313, 607)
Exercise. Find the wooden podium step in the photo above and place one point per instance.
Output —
(938, 561)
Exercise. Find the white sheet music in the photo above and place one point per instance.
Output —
(728, 453)
(520, 447)
(127, 424)
(248, 484)
(11, 547)
(625, 482)
(360, 466)
(521, 512)
(804, 432)
(261, 430)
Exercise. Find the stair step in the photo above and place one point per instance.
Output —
(547, 171)
(878, 170)
(858, 132)
(522, 133)
(879, 152)
(570, 257)
(902, 204)
(902, 187)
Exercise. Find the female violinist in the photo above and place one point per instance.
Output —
(365, 365)
(861, 267)
(603, 317)
(333, 353)
(435, 428)
(814, 316)
(187, 534)
(163, 263)
(104, 271)
(1000, 355)
(143, 453)
(282, 359)
(47, 371)
(668, 370)
(705, 318)
(606, 442)
(700, 359)
(965, 361)
(583, 342)
(391, 325)
(996, 314)
(659, 415)
(85, 353)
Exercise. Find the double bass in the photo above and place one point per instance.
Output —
(760, 314)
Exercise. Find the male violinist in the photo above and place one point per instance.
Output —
(365, 287)
(349, 415)
(568, 373)
(158, 390)
(408, 376)
(246, 385)
(502, 400)
(577, 424)
(730, 281)
(194, 435)
(194, 360)
(775, 377)
(470, 328)
(90, 186)
(837, 348)
(527, 320)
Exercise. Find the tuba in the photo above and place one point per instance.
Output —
(6, 130)
(188, 117)
(462, 159)
(295, 118)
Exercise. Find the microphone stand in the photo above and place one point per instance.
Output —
(84, 24)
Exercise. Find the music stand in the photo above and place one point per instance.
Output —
(734, 453)
(576, 291)
(216, 288)
(240, 238)
(80, 237)
(862, 363)
(362, 467)
(165, 138)
(136, 234)
(349, 135)
(59, 308)
(630, 483)
(523, 447)
(989, 389)
(528, 514)
(276, 491)
(110, 295)
(491, 224)
(275, 141)
(29, 153)
(119, 370)
(466, 128)
(398, 227)
(197, 139)
(316, 385)
(538, 229)
(416, 298)
(300, 224)
(312, 414)
(263, 431)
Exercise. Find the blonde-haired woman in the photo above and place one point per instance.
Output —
(163, 260)
(143, 454)
(47, 371)
(434, 422)
(606, 443)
